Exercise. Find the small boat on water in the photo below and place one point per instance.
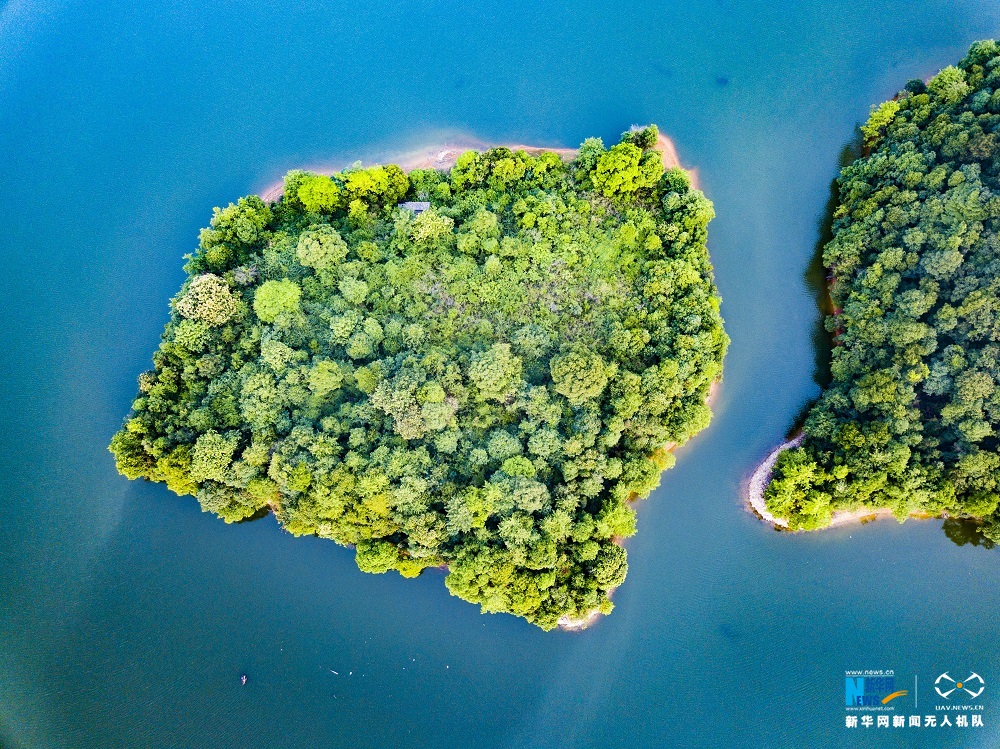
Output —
(243, 679)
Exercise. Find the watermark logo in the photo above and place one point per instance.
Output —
(872, 702)
(946, 686)
(871, 688)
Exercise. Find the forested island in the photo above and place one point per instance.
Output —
(909, 422)
(477, 369)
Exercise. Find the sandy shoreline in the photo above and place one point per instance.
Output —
(761, 477)
(444, 155)
(568, 624)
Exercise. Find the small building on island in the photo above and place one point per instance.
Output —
(416, 207)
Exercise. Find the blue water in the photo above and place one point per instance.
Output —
(127, 616)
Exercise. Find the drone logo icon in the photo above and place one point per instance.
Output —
(964, 685)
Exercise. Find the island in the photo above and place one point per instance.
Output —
(476, 369)
(909, 423)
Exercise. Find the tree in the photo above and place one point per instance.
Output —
(579, 374)
(208, 299)
(625, 170)
(212, 457)
(880, 117)
(321, 247)
(949, 85)
(319, 194)
(274, 298)
(496, 373)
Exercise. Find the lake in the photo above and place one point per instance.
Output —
(127, 615)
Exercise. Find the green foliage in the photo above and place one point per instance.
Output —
(483, 387)
(880, 118)
(355, 190)
(495, 373)
(321, 247)
(273, 298)
(580, 375)
(625, 170)
(910, 421)
(949, 86)
(376, 186)
(318, 193)
(325, 377)
(212, 456)
(234, 232)
(208, 299)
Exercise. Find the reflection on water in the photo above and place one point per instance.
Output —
(963, 531)
(263, 512)
(817, 281)
(816, 275)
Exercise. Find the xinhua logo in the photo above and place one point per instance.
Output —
(866, 691)
(945, 686)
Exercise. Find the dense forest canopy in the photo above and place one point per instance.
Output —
(482, 385)
(909, 421)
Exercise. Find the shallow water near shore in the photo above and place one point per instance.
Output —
(128, 616)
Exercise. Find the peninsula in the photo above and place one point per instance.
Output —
(909, 424)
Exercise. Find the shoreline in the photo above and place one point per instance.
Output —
(753, 495)
(442, 156)
(761, 477)
(569, 624)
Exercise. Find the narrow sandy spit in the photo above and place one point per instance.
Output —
(761, 477)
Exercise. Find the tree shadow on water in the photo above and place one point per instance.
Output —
(262, 513)
(817, 279)
(962, 531)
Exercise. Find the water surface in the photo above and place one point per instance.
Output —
(127, 615)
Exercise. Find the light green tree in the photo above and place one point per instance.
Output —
(274, 298)
(579, 374)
